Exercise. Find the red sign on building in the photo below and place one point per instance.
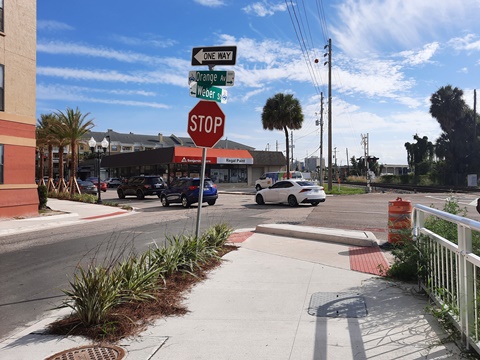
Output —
(206, 123)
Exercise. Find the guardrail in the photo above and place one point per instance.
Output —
(452, 273)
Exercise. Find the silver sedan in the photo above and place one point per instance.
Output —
(292, 192)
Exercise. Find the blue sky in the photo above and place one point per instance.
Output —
(127, 64)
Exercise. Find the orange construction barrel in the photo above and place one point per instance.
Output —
(399, 220)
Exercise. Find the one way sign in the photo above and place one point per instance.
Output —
(214, 55)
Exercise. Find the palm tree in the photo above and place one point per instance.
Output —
(74, 125)
(448, 107)
(283, 112)
(45, 125)
(62, 141)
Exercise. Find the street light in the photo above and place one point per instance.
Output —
(93, 148)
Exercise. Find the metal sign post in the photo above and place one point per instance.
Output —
(200, 193)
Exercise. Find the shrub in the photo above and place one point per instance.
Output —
(42, 197)
(98, 289)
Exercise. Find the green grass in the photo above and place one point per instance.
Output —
(344, 190)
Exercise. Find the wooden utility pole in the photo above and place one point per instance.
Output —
(329, 62)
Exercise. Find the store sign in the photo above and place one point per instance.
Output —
(241, 161)
(193, 160)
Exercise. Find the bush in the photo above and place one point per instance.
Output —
(42, 197)
(97, 290)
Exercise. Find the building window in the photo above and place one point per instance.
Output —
(126, 148)
(1, 163)
(2, 87)
(114, 147)
(1, 15)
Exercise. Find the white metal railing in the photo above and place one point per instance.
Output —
(451, 273)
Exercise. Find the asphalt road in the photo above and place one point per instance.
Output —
(32, 277)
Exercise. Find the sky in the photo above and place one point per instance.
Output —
(127, 65)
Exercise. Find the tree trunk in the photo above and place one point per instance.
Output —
(61, 174)
(287, 152)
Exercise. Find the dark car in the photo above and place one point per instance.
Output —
(141, 186)
(87, 187)
(186, 191)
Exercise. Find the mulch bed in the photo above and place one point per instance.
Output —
(131, 318)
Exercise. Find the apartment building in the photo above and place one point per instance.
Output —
(18, 191)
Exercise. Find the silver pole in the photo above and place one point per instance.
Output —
(200, 193)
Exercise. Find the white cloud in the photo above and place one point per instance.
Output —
(420, 57)
(66, 93)
(364, 27)
(210, 3)
(469, 42)
(51, 25)
(154, 77)
(148, 40)
(264, 8)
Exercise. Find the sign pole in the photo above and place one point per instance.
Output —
(200, 193)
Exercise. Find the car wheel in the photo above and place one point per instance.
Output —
(211, 202)
(120, 194)
(315, 203)
(185, 202)
(292, 200)
(258, 188)
(140, 194)
(164, 201)
(259, 199)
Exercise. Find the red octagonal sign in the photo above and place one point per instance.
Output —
(206, 123)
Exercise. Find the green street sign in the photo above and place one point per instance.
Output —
(208, 93)
(212, 78)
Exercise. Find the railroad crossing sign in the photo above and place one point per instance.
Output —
(212, 78)
(206, 124)
(214, 55)
(211, 93)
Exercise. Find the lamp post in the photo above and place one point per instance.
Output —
(93, 148)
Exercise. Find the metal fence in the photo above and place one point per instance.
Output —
(451, 272)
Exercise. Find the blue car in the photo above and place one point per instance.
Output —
(185, 191)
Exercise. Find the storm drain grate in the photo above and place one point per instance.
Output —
(345, 305)
(90, 352)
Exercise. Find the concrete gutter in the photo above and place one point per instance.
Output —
(349, 237)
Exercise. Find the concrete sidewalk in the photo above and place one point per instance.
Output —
(276, 297)
(71, 212)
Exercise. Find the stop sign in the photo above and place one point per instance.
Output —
(206, 122)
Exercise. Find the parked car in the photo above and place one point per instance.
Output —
(141, 186)
(87, 187)
(292, 192)
(113, 182)
(186, 191)
(270, 178)
(103, 184)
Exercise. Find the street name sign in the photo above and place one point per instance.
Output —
(206, 124)
(212, 78)
(211, 93)
(214, 55)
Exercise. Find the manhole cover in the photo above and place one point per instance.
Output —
(347, 305)
(90, 352)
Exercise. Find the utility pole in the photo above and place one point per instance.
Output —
(329, 62)
(320, 173)
(364, 142)
(474, 116)
(348, 163)
(292, 146)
